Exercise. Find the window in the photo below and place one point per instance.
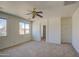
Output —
(24, 28)
(21, 31)
(3, 27)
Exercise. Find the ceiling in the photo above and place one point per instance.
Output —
(20, 8)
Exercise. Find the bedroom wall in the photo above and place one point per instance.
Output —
(53, 27)
(53, 30)
(75, 30)
(36, 35)
(13, 36)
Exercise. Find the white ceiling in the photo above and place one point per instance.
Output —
(33, 3)
(46, 3)
(20, 8)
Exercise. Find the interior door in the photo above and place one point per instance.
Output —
(44, 31)
(66, 30)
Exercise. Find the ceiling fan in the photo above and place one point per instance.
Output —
(35, 13)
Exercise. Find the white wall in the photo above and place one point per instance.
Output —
(53, 29)
(13, 36)
(75, 30)
(36, 32)
(66, 30)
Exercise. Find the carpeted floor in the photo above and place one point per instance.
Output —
(39, 49)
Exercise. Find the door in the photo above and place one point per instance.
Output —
(66, 30)
(43, 33)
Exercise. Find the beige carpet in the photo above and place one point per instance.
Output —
(39, 49)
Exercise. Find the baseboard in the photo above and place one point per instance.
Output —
(15, 45)
(65, 43)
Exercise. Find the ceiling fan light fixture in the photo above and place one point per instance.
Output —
(35, 13)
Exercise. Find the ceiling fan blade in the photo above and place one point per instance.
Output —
(28, 13)
(39, 12)
(39, 15)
